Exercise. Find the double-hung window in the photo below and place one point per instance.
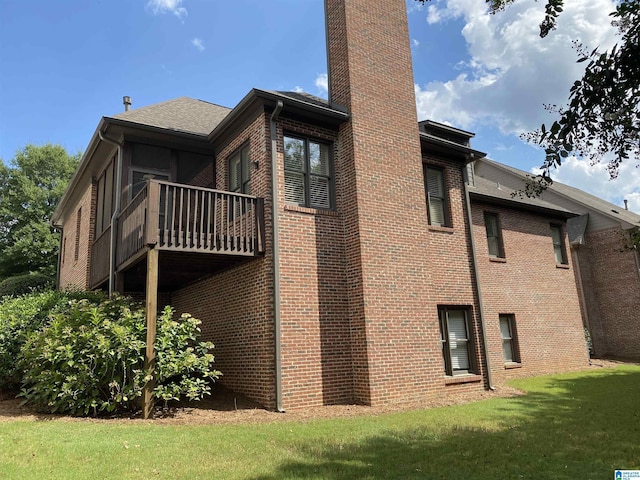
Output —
(457, 340)
(239, 174)
(508, 334)
(558, 244)
(494, 235)
(308, 170)
(436, 196)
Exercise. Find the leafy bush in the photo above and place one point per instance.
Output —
(20, 317)
(21, 284)
(90, 359)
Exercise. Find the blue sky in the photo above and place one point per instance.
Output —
(65, 64)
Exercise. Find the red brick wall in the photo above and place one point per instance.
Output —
(315, 329)
(613, 285)
(529, 285)
(236, 306)
(397, 270)
(74, 274)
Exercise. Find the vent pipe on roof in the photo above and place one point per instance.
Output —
(126, 100)
(626, 204)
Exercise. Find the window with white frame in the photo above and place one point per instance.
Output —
(308, 171)
(457, 340)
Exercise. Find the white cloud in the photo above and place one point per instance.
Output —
(198, 43)
(167, 6)
(298, 89)
(322, 83)
(415, 43)
(595, 180)
(511, 72)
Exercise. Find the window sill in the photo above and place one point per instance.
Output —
(497, 260)
(564, 266)
(510, 365)
(435, 228)
(457, 379)
(311, 211)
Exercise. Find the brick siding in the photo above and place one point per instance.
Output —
(540, 294)
(611, 284)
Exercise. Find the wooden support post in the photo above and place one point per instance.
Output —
(152, 221)
(152, 312)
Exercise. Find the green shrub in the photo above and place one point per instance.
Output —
(89, 359)
(21, 284)
(20, 317)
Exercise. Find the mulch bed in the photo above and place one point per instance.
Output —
(226, 407)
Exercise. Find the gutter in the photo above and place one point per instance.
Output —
(116, 212)
(276, 254)
(474, 260)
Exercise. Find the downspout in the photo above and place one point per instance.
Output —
(276, 254)
(60, 253)
(474, 260)
(116, 212)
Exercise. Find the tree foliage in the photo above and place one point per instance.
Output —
(30, 188)
(602, 119)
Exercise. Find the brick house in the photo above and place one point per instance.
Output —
(607, 271)
(337, 251)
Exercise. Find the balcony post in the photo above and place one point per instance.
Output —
(152, 219)
(152, 313)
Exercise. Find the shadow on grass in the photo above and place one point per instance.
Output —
(575, 426)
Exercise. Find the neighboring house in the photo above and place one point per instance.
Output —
(607, 269)
(327, 246)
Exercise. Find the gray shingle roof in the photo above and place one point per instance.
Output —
(182, 114)
(582, 197)
(488, 188)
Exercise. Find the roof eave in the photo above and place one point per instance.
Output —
(469, 153)
(488, 198)
(269, 98)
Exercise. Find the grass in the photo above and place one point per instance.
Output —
(579, 425)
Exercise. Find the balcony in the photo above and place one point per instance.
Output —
(197, 231)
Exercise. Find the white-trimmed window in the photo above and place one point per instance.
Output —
(138, 178)
(509, 343)
(457, 340)
(308, 173)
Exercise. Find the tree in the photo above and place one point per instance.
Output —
(602, 118)
(30, 188)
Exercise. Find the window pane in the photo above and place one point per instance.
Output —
(458, 339)
(505, 329)
(319, 158)
(494, 246)
(507, 351)
(436, 211)
(435, 183)
(235, 174)
(245, 165)
(294, 188)
(319, 191)
(294, 154)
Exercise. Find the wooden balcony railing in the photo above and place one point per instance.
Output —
(176, 217)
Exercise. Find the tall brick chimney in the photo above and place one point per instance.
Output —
(370, 73)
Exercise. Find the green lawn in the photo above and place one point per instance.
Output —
(572, 426)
